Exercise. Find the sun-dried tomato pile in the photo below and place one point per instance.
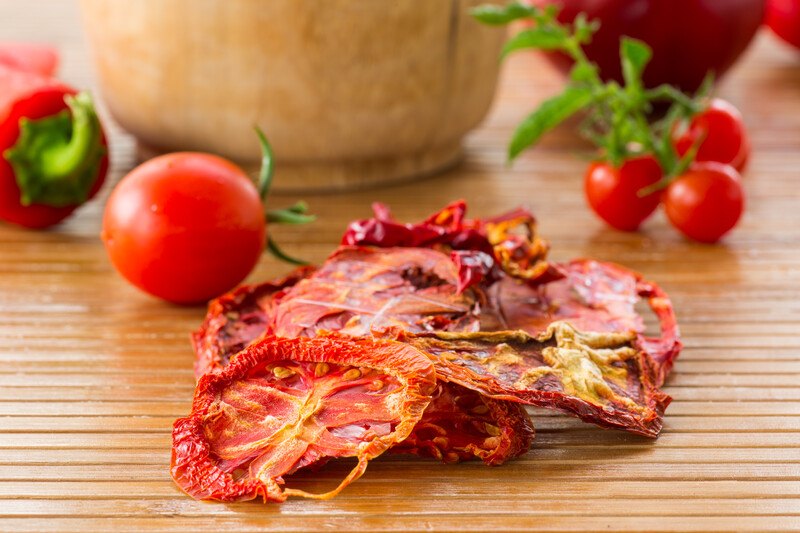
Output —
(424, 339)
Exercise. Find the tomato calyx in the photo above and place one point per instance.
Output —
(56, 160)
(295, 214)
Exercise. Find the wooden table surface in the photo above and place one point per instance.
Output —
(94, 373)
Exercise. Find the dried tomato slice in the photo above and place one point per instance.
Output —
(601, 378)
(359, 289)
(235, 319)
(594, 296)
(284, 404)
(461, 424)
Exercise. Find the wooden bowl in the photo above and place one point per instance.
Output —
(351, 93)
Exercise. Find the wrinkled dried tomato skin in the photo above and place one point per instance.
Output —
(235, 319)
(519, 255)
(602, 378)
(593, 296)
(283, 404)
(461, 424)
(359, 289)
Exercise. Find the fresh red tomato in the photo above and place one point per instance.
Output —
(783, 17)
(722, 134)
(689, 37)
(613, 193)
(706, 202)
(185, 226)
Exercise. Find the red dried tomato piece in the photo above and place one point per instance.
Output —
(601, 378)
(461, 424)
(520, 254)
(359, 289)
(594, 296)
(235, 319)
(284, 404)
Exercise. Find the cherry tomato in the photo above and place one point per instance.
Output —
(706, 202)
(689, 38)
(613, 193)
(783, 17)
(724, 136)
(185, 226)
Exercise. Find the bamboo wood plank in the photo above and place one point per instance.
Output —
(93, 373)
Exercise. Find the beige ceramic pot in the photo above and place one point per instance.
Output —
(350, 92)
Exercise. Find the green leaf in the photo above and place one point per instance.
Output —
(541, 38)
(288, 216)
(551, 113)
(499, 15)
(584, 29)
(635, 56)
(275, 250)
(583, 73)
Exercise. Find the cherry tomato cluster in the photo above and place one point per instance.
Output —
(704, 202)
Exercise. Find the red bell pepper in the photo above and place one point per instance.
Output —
(54, 155)
(37, 58)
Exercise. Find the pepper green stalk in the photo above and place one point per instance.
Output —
(56, 159)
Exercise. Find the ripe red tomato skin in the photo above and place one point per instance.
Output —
(706, 202)
(613, 193)
(725, 135)
(184, 227)
(783, 18)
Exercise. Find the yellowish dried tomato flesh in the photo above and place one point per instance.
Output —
(284, 404)
(602, 378)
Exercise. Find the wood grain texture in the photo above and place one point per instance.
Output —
(92, 373)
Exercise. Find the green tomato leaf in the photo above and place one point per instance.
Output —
(541, 38)
(583, 73)
(635, 56)
(551, 113)
(585, 29)
(499, 15)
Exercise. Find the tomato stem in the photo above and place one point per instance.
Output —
(267, 165)
(295, 214)
(280, 254)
